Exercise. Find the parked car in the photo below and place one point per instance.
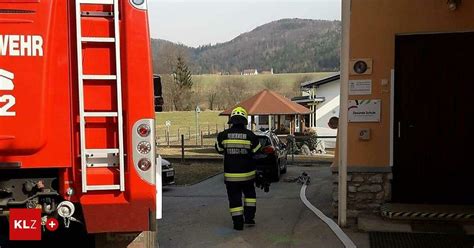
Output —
(167, 172)
(272, 154)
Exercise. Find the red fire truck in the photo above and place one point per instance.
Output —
(77, 136)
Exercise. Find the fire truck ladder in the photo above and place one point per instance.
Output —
(105, 154)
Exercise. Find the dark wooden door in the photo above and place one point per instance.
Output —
(434, 119)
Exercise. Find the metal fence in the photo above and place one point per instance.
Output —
(204, 136)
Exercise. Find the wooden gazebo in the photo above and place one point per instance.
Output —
(270, 110)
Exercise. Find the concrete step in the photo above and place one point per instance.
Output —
(400, 211)
(374, 223)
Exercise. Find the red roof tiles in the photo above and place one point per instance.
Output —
(267, 102)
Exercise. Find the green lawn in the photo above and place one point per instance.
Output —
(185, 122)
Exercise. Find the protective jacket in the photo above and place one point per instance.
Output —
(238, 145)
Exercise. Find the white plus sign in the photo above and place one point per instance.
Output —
(52, 224)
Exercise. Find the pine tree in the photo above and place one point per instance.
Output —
(182, 75)
(183, 84)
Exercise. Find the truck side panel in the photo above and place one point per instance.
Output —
(41, 129)
(35, 131)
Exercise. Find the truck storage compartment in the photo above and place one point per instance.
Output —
(35, 106)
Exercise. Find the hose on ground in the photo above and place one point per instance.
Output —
(346, 241)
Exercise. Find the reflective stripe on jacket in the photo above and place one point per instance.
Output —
(239, 177)
(238, 144)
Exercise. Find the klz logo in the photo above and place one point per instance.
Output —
(6, 101)
(25, 224)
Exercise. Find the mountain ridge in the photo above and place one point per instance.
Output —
(286, 45)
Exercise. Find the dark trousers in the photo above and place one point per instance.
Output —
(234, 193)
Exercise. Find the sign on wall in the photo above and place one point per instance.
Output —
(360, 87)
(364, 110)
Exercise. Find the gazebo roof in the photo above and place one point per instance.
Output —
(267, 102)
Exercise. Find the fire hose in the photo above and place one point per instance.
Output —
(346, 241)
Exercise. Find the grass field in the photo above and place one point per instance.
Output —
(185, 123)
(257, 82)
(194, 173)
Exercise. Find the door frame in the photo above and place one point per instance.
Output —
(392, 116)
(393, 107)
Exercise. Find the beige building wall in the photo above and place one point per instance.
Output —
(374, 24)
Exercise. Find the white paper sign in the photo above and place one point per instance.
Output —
(364, 110)
(360, 87)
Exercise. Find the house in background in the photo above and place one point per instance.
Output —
(270, 110)
(322, 98)
(248, 72)
(269, 72)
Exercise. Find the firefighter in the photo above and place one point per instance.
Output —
(238, 144)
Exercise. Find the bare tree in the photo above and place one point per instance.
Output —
(211, 98)
(234, 89)
(295, 89)
(168, 89)
(165, 57)
(273, 83)
(296, 85)
(165, 62)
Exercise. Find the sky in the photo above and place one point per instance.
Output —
(201, 22)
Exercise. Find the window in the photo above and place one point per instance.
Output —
(264, 141)
(263, 120)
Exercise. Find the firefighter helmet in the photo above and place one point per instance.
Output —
(238, 116)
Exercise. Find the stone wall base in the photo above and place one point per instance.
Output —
(146, 239)
(367, 190)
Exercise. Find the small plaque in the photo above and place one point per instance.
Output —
(360, 87)
(364, 110)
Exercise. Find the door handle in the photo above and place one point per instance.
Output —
(399, 129)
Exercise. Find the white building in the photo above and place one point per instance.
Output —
(270, 72)
(250, 72)
(322, 98)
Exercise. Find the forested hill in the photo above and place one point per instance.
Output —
(287, 46)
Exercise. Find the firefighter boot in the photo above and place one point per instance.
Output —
(238, 222)
(249, 222)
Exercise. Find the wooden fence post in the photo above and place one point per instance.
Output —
(202, 139)
(182, 148)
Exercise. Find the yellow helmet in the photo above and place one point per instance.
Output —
(239, 111)
(236, 116)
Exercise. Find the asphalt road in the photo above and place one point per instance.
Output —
(198, 216)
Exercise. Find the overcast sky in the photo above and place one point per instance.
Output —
(200, 22)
